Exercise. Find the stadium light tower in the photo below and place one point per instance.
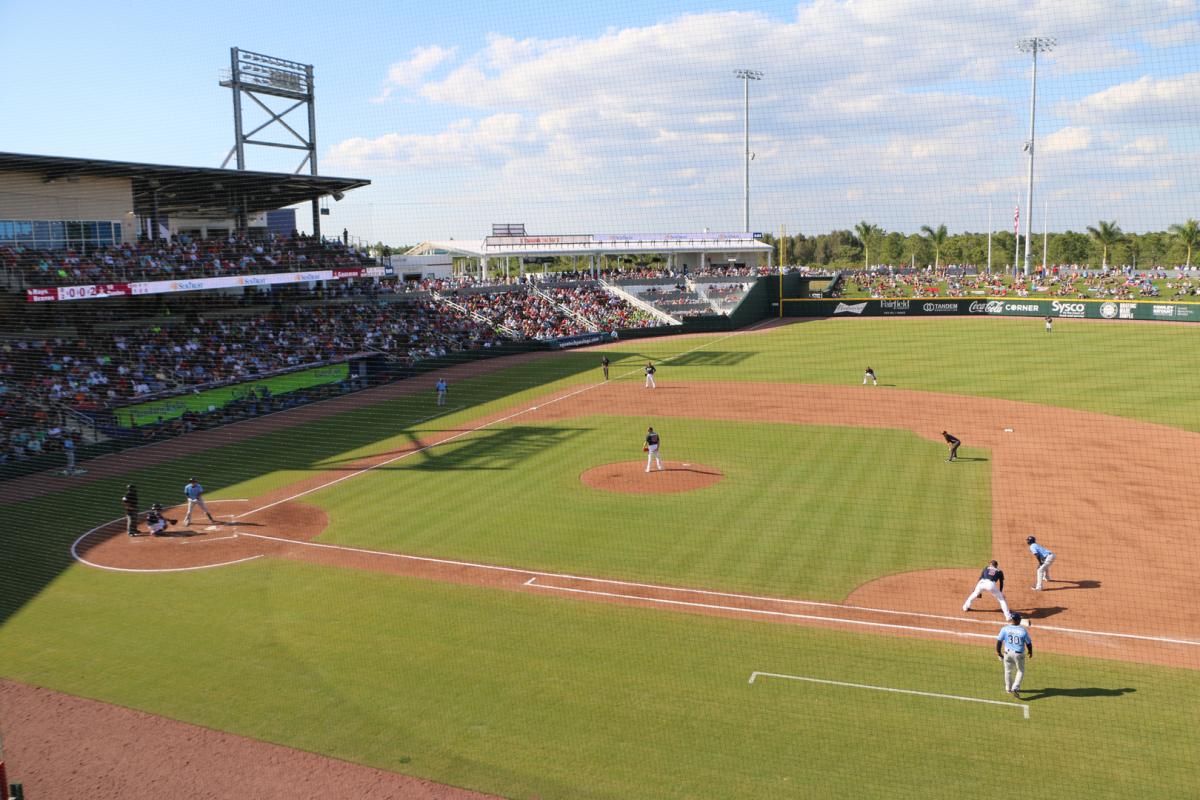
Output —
(747, 75)
(1033, 45)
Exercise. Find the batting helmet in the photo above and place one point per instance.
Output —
(1030, 539)
(157, 506)
(1016, 618)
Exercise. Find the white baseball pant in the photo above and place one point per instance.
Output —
(985, 585)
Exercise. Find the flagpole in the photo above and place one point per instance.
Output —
(1045, 236)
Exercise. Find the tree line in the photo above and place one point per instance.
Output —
(1101, 245)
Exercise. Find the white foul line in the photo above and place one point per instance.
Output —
(760, 611)
(1024, 708)
(460, 434)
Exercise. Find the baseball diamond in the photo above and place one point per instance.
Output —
(381, 552)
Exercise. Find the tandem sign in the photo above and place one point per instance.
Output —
(1016, 307)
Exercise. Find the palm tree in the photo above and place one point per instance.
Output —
(1107, 234)
(1189, 234)
(866, 234)
(938, 238)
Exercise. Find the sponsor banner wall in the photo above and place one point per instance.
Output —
(200, 402)
(1002, 306)
(91, 292)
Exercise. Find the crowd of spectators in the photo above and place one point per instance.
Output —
(678, 301)
(179, 257)
(1058, 281)
(603, 309)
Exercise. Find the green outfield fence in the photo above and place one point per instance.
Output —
(993, 306)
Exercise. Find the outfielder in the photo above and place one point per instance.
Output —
(1044, 558)
(441, 387)
(991, 580)
(195, 497)
(1015, 641)
(653, 442)
(650, 370)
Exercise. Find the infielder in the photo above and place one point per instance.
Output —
(953, 442)
(1015, 641)
(991, 580)
(653, 442)
(441, 387)
(1044, 558)
(650, 370)
(604, 362)
(869, 375)
(195, 497)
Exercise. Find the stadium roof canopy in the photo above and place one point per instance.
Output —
(598, 244)
(187, 191)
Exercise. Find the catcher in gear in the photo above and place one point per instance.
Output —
(156, 521)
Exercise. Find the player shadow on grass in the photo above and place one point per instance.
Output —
(1079, 691)
(1073, 585)
(970, 458)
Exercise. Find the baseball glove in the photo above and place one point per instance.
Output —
(172, 521)
(645, 448)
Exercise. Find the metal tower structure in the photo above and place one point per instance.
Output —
(1034, 45)
(256, 75)
(745, 76)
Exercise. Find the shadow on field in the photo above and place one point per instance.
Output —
(969, 458)
(1072, 585)
(1044, 612)
(1079, 691)
(709, 358)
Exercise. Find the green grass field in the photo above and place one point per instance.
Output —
(543, 696)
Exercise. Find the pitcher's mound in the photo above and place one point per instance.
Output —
(631, 477)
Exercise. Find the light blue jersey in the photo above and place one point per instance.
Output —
(1016, 639)
(193, 490)
(1039, 551)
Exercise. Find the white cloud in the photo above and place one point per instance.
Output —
(904, 112)
(1066, 140)
(414, 69)
(1184, 33)
(1148, 100)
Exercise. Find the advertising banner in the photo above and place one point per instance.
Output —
(997, 306)
(90, 292)
(211, 399)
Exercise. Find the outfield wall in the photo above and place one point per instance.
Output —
(994, 306)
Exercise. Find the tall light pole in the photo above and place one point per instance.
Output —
(1033, 44)
(747, 75)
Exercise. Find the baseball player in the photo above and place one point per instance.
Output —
(953, 442)
(195, 497)
(869, 375)
(653, 442)
(991, 580)
(650, 370)
(1015, 642)
(441, 387)
(129, 501)
(1049, 324)
(156, 521)
(604, 362)
(1044, 558)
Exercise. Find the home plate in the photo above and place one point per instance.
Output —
(211, 528)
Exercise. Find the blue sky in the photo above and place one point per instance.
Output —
(623, 116)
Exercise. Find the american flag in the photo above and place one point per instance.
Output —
(1016, 220)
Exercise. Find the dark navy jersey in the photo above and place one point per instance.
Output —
(951, 438)
(651, 438)
(153, 517)
(991, 573)
(650, 370)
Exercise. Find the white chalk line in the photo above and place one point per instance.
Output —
(75, 551)
(760, 611)
(460, 434)
(755, 675)
(203, 541)
(534, 574)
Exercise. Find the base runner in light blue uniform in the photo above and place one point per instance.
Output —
(1012, 644)
(1044, 558)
